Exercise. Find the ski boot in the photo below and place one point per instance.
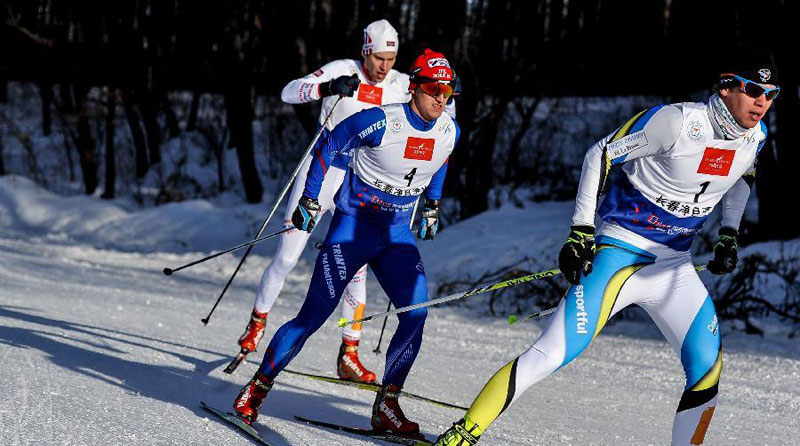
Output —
(387, 416)
(253, 332)
(349, 367)
(248, 403)
(464, 432)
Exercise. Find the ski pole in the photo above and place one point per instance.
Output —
(274, 207)
(513, 319)
(471, 292)
(377, 350)
(169, 271)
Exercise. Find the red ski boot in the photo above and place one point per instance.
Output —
(349, 367)
(388, 416)
(248, 403)
(254, 331)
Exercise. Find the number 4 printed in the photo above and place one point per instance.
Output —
(410, 176)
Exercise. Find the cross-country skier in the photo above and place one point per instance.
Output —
(400, 151)
(678, 161)
(360, 84)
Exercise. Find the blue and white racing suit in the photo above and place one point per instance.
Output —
(397, 156)
(676, 168)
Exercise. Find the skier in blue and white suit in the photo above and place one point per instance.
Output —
(678, 162)
(400, 151)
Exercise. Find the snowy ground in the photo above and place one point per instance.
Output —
(97, 347)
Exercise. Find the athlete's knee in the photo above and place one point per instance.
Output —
(537, 363)
(285, 262)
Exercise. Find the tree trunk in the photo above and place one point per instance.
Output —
(2, 166)
(66, 98)
(191, 121)
(3, 86)
(240, 123)
(86, 144)
(139, 145)
(148, 108)
(46, 92)
(111, 167)
(172, 121)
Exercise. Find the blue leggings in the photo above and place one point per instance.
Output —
(351, 243)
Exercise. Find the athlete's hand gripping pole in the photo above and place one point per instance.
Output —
(169, 271)
(513, 319)
(471, 292)
(274, 207)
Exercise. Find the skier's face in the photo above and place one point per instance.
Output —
(377, 65)
(747, 110)
(427, 106)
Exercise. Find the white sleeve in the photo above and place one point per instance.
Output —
(734, 202)
(651, 132)
(306, 89)
(450, 108)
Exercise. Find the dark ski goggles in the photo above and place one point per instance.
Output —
(750, 88)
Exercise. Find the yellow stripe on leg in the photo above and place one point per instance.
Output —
(495, 396)
(712, 376)
(611, 293)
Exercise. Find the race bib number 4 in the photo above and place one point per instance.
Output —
(370, 94)
(716, 162)
(419, 148)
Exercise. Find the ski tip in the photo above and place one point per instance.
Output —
(342, 322)
(512, 319)
(167, 271)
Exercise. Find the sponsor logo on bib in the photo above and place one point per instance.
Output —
(419, 148)
(716, 161)
(370, 94)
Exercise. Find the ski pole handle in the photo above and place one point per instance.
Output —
(169, 271)
(471, 292)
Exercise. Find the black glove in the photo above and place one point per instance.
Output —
(305, 216)
(577, 254)
(725, 257)
(342, 85)
(429, 222)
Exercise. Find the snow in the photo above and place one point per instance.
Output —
(99, 347)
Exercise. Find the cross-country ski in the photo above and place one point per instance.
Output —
(371, 433)
(236, 421)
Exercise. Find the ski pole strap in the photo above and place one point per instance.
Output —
(491, 287)
(513, 319)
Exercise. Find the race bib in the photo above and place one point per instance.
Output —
(716, 162)
(370, 94)
(419, 148)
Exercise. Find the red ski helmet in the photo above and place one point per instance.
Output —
(430, 67)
